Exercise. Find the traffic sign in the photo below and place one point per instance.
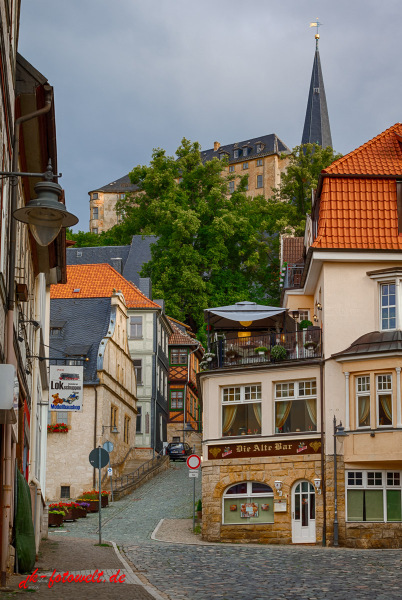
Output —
(98, 457)
(108, 446)
(109, 471)
(193, 473)
(193, 461)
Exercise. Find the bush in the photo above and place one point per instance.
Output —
(199, 505)
(278, 352)
(304, 324)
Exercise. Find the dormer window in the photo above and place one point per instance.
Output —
(235, 153)
(223, 155)
(259, 147)
(245, 151)
(56, 328)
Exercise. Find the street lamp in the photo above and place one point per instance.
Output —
(112, 428)
(45, 215)
(339, 431)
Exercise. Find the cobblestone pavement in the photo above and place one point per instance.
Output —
(218, 571)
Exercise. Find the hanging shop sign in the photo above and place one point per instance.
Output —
(288, 447)
(66, 387)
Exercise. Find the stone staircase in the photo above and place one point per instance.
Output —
(135, 472)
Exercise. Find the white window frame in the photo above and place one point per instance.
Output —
(255, 389)
(385, 485)
(140, 324)
(360, 392)
(295, 397)
(387, 278)
(236, 153)
(381, 392)
(382, 285)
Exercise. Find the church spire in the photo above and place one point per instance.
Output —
(316, 125)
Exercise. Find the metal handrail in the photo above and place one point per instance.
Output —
(130, 478)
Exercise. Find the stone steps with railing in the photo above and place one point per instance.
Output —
(135, 473)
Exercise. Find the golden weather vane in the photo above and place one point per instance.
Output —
(317, 35)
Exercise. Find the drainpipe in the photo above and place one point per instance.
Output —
(95, 421)
(323, 486)
(10, 355)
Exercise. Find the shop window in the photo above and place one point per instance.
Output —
(373, 496)
(241, 410)
(176, 399)
(178, 356)
(384, 400)
(296, 406)
(248, 503)
(363, 401)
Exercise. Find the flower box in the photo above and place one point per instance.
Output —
(56, 518)
(57, 428)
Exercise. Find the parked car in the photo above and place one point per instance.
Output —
(178, 450)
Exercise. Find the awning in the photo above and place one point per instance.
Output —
(256, 316)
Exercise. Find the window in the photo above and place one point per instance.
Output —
(245, 166)
(231, 187)
(296, 406)
(363, 401)
(178, 356)
(94, 230)
(135, 328)
(61, 416)
(388, 306)
(259, 181)
(259, 162)
(245, 151)
(74, 362)
(113, 416)
(231, 169)
(235, 154)
(138, 425)
(246, 187)
(259, 147)
(65, 491)
(56, 331)
(95, 196)
(95, 212)
(373, 496)
(384, 400)
(248, 503)
(304, 315)
(176, 399)
(126, 428)
(137, 362)
(241, 410)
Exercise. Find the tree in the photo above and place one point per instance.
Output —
(213, 248)
(305, 164)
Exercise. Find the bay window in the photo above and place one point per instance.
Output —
(384, 400)
(363, 401)
(296, 406)
(241, 410)
(248, 503)
(373, 496)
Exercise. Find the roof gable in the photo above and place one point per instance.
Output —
(99, 281)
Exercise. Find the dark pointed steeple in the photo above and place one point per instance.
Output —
(316, 126)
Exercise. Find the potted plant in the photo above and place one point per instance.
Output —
(82, 508)
(209, 356)
(57, 428)
(304, 324)
(56, 518)
(104, 498)
(261, 350)
(278, 353)
(310, 345)
(198, 509)
(204, 365)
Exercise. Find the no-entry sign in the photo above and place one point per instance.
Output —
(193, 461)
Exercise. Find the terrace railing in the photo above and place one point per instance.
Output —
(298, 345)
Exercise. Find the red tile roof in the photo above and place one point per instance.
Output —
(179, 337)
(292, 250)
(99, 281)
(380, 156)
(361, 213)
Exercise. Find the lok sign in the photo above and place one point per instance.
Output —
(66, 387)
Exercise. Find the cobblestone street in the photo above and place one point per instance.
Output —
(206, 572)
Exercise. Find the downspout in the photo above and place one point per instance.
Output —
(323, 486)
(95, 422)
(10, 356)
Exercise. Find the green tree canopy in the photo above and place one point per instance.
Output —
(305, 164)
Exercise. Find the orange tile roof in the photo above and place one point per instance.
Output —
(179, 337)
(99, 281)
(380, 156)
(361, 212)
(292, 249)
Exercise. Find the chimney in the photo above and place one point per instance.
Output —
(117, 263)
(217, 145)
(145, 287)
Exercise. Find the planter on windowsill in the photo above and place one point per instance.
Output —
(57, 428)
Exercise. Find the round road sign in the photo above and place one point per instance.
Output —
(108, 446)
(98, 455)
(193, 461)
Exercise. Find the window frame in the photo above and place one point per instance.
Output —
(378, 393)
(231, 186)
(231, 168)
(296, 397)
(241, 401)
(245, 166)
(180, 352)
(95, 211)
(126, 433)
(138, 370)
(176, 391)
(138, 420)
(389, 306)
(361, 393)
(364, 485)
(259, 162)
(260, 178)
(139, 325)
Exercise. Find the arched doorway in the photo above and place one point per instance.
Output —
(303, 513)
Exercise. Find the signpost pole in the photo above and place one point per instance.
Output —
(111, 480)
(193, 504)
(100, 498)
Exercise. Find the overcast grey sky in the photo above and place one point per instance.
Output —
(132, 75)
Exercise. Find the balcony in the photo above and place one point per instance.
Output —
(258, 349)
(293, 276)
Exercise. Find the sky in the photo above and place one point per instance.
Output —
(131, 75)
